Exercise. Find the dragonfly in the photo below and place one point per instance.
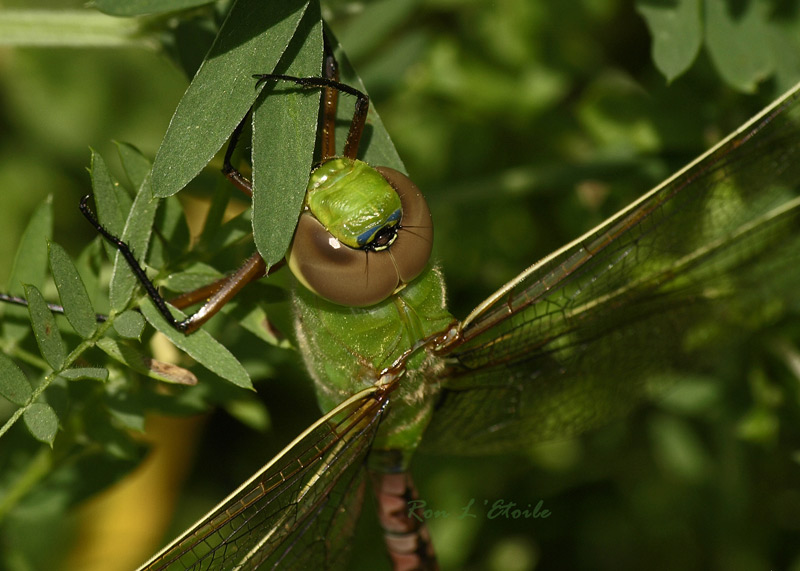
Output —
(539, 359)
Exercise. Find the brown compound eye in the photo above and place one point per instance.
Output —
(363, 277)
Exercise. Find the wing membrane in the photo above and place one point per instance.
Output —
(592, 329)
(295, 513)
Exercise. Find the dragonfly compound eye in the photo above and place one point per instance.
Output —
(356, 263)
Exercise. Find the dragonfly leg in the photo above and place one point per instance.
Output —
(232, 173)
(407, 538)
(220, 292)
(330, 100)
(328, 84)
(223, 291)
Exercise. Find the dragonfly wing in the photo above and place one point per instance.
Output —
(299, 511)
(591, 330)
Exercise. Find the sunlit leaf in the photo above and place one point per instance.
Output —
(284, 135)
(251, 40)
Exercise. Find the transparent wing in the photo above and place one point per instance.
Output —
(589, 331)
(299, 511)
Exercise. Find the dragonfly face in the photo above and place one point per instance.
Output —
(365, 234)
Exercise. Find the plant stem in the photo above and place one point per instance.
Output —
(72, 28)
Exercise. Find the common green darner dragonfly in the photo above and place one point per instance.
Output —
(534, 361)
(552, 367)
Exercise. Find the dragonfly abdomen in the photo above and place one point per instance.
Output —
(405, 533)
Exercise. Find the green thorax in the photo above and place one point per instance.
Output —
(352, 200)
(345, 348)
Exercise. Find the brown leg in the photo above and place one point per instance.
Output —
(330, 100)
(359, 115)
(233, 175)
(221, 292)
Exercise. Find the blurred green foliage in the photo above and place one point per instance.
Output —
(525, 123)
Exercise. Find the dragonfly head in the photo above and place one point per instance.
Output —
(365, 233)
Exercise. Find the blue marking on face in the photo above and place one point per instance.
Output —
(366, 237)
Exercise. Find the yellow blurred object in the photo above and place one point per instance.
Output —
(121, 528)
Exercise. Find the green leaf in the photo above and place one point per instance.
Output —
(129, 324)
(87, 373)
(14, 385)
(42, 422)
(140, 7)
(194, 277)
(216, 212)
(30, 267)
(677, 32)
(172, 238)
(784, 41)
(135, 164)
(30, 262)
(736, 43)
(77, 306)
(48, 337)
(201, 346)
(145, 365)
(250, 412)
(251, 40)
(111, 201)
(381, 150)
(284, 135)
(136, 235)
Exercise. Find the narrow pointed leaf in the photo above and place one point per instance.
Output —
(202, 347)
(172, 238)
(136, 234)
(158, 370)
(14, 385)
(42, 422)
(381, 150)
(136, 165)
(48, 337)
(85, 373)
(77, 306)
(112, 203)
(284, 135)
(251, 40)
(30, 267)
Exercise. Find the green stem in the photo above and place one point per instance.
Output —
(73, 28)
(71, 358)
